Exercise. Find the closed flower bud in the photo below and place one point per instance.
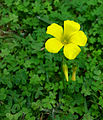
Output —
(65, 70)
(74, 68)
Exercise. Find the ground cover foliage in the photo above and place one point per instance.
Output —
(32, 83)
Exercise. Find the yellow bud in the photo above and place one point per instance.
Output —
(65, 70)
(74, 68)
(74, 76)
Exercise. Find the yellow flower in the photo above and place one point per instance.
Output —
(71, 39)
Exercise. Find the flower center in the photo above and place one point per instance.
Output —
(65, 40)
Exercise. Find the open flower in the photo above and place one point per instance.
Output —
(71, 39)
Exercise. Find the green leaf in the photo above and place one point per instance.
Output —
(34, 79)
(2, 94)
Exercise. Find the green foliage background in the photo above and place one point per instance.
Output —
(32, 84)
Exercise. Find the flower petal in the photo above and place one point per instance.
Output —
(79, 38)
(71, 51)
(53, 45)
(55, 30)
(70, 27)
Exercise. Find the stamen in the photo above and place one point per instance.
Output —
(65, 40)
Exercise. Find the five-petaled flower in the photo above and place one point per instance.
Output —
(71, 39)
